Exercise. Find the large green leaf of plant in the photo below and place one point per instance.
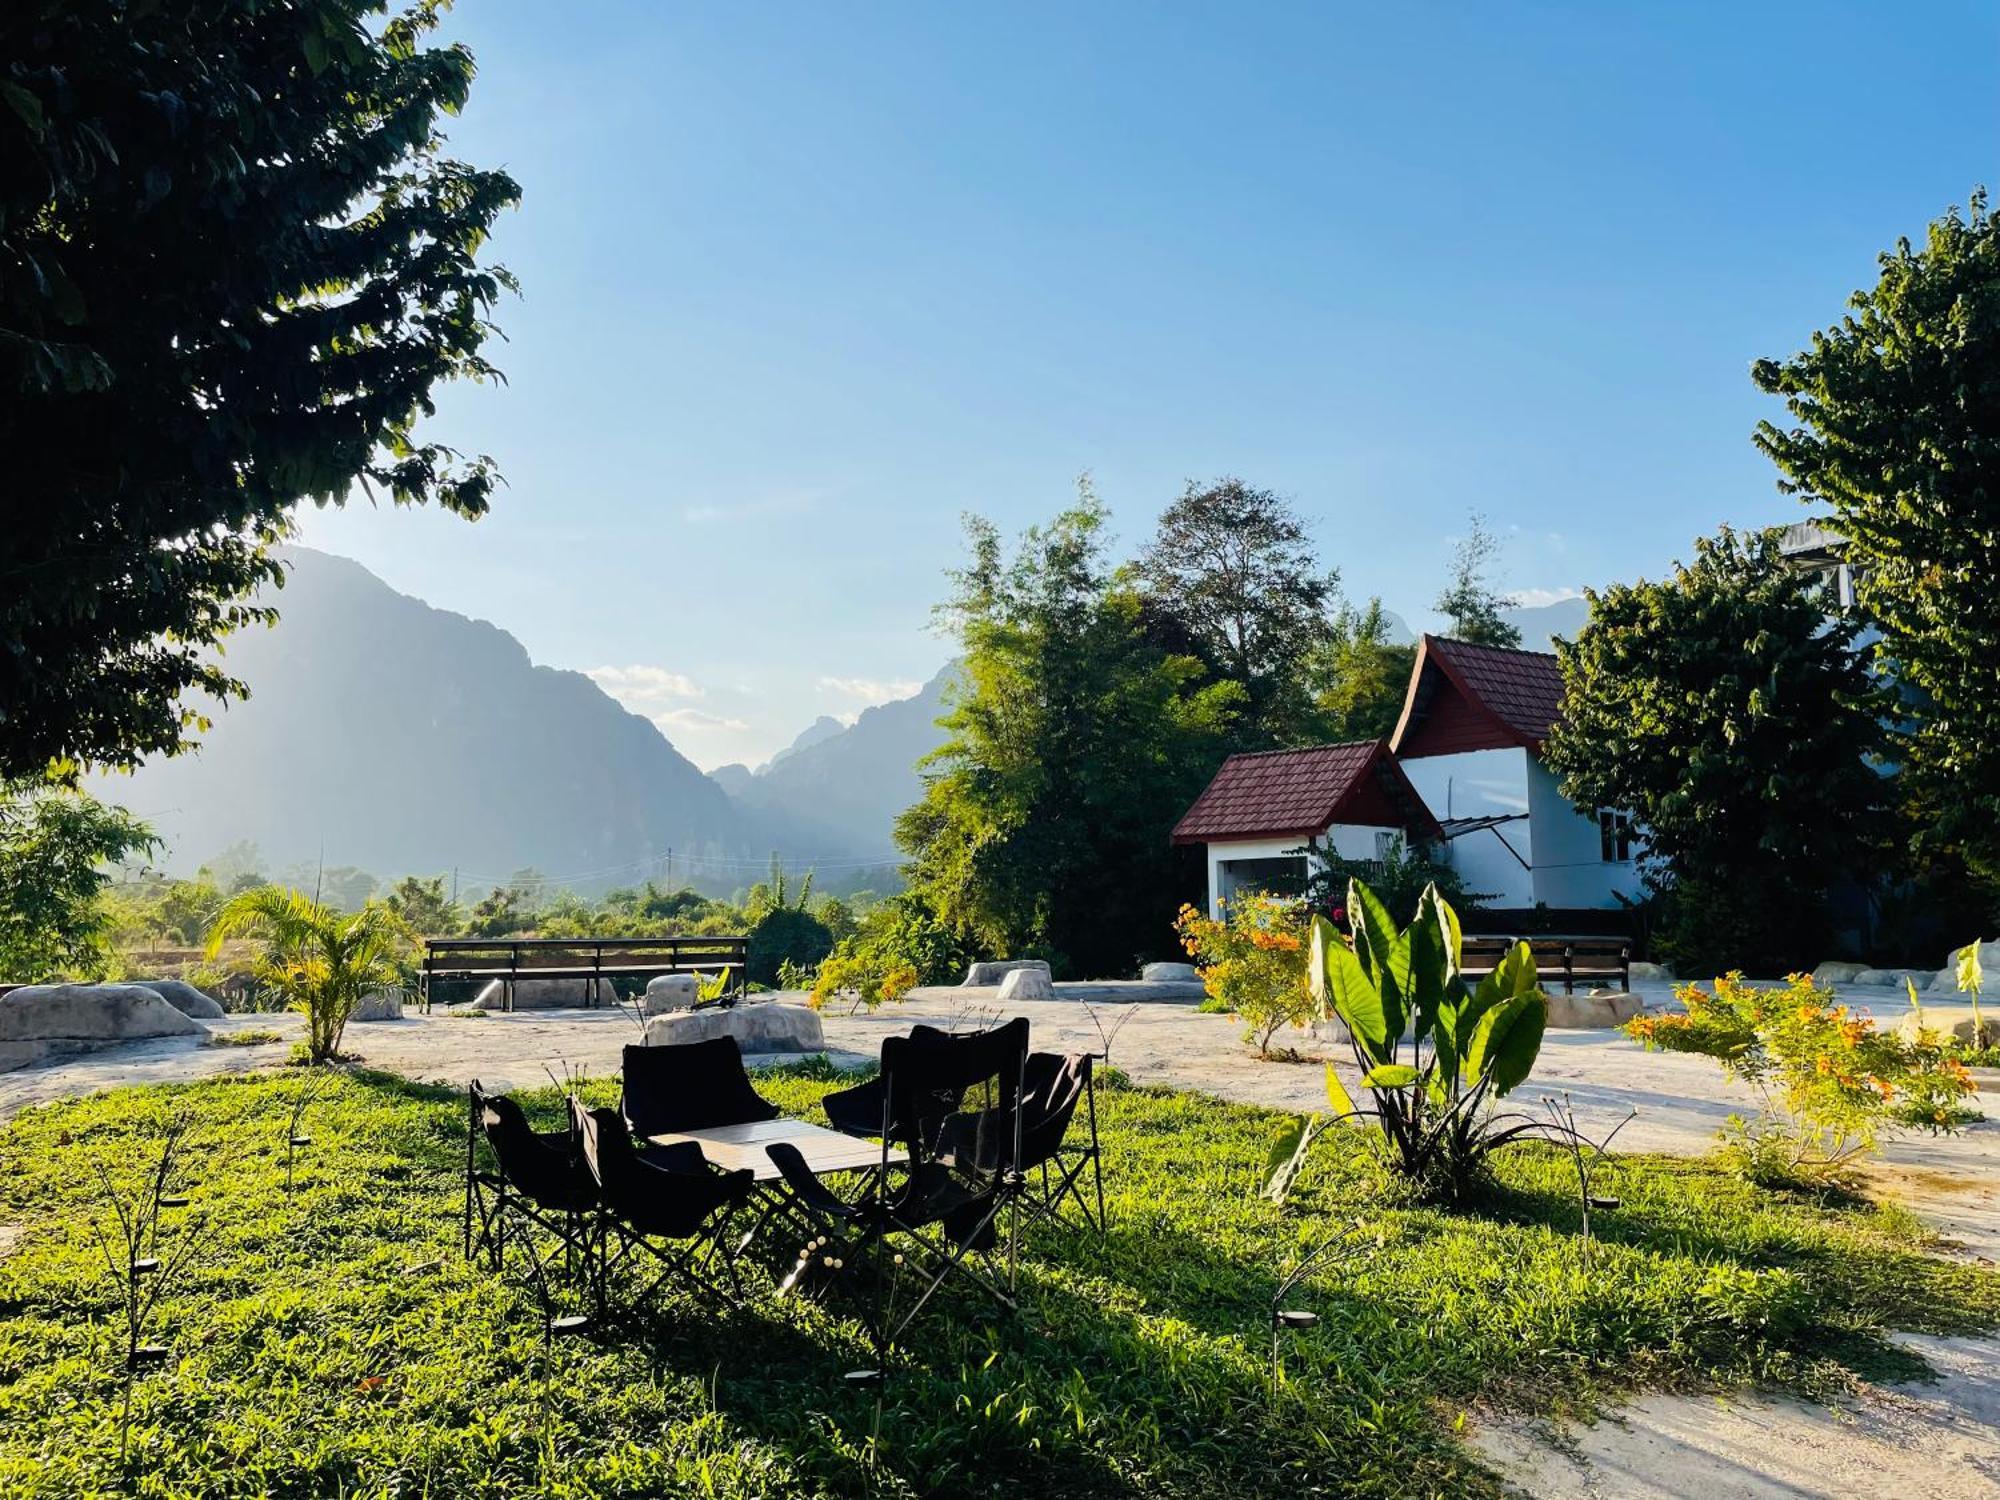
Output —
(1384, 954)
(1427, 968)
(1389, 1076)
(1374, 928)
(1358, 1003)
(1507, 1041)
(1336, 1093)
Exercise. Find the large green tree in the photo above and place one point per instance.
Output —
(1738, 725)
(1075, 743)
(235, 263)
(1897, 440)
(1358, 677)
(54, 843)
(1236, 568)
(1471, 602)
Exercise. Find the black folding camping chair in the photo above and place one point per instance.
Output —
(690, 1086)
(1052, 1167)
(538, 1189)
(949, 1101)
(663, 1202)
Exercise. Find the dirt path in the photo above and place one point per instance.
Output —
(1938, 1440)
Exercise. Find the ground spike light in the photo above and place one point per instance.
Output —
(1342, 1242)
(1587, 1154)
(136, 1263)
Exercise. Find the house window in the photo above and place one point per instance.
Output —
(1614, 836)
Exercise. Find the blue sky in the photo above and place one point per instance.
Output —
(804, 283)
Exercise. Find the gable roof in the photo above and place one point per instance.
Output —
(1274, 794)
(1506, 697)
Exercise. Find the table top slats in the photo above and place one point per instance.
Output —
(736, 1147)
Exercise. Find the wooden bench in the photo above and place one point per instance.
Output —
(1591, 959)
(514, 959)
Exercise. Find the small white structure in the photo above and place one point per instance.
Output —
(1470, 741)
(1261, 809)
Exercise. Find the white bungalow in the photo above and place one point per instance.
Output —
(1470, 741)
(1258, 813)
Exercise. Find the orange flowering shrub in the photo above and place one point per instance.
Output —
(1252, 962)
(1829, 1079)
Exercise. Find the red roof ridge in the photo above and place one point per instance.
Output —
(1519, 692)
(1452, 640)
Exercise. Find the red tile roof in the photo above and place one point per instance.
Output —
(1297, 793)
(1520, 692)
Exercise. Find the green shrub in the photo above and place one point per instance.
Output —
(786, 935)
(1252, 964)
(1829, 1081)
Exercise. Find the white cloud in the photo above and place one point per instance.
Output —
(871, 689)
(644, 688)
(694, 719)
(1537, 598)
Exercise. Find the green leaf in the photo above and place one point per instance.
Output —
(1286, 1146)
(1358, 1003)
(24, 104)
(1390, 1076)
(1426, 972)
(1971, 976)
(1374, 928)
(1336, 1092)
(1507, 1041)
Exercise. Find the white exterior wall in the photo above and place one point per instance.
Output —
(1570, 868)
(1484, 784)
(1350, 841)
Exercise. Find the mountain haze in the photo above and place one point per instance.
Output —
(386, 734)
(852, 783)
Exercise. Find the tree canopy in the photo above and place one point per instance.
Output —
(1471, 602)
(1236, 567)
(53, 843)
(235, 263)
(1897, 438)
(1075, 743)
(1358, 677)
(1723, 711)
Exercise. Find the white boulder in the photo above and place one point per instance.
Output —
(185, 998)
(985, 976)
(1953, 1021)
(1640, 970)
(667, 993)
(769, 1026)
(40, 1021)
(1894, 979)
(546, 994)
(379, 1005)
(1600, 1010)
(1169, 974)
(1837, 972)
(1027, 984)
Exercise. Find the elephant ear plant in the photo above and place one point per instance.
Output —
(1435, 1054)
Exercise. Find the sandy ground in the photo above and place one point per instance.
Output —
(1938, 1439)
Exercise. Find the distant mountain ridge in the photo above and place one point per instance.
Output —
(855, 781)
(387, 734)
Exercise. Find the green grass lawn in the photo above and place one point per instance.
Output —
(306, 1362)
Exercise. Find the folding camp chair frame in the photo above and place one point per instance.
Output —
(492, 1204)
(700, 1262)
(861, 1233)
